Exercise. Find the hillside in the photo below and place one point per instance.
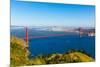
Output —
(18, 52)
(19, 55)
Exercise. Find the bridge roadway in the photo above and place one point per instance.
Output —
(45, 36)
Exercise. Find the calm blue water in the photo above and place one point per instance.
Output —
(58, 44)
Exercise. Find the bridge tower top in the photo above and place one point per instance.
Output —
(26, 31)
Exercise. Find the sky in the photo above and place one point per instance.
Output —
(51, 14)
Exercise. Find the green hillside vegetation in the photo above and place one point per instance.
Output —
(19, 55)
(18, 52)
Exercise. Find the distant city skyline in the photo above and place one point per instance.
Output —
(51, 14)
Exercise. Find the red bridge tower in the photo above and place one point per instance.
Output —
(26, 36)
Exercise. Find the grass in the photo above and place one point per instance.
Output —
(83, 57)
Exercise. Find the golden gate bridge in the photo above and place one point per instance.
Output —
(27, 37)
